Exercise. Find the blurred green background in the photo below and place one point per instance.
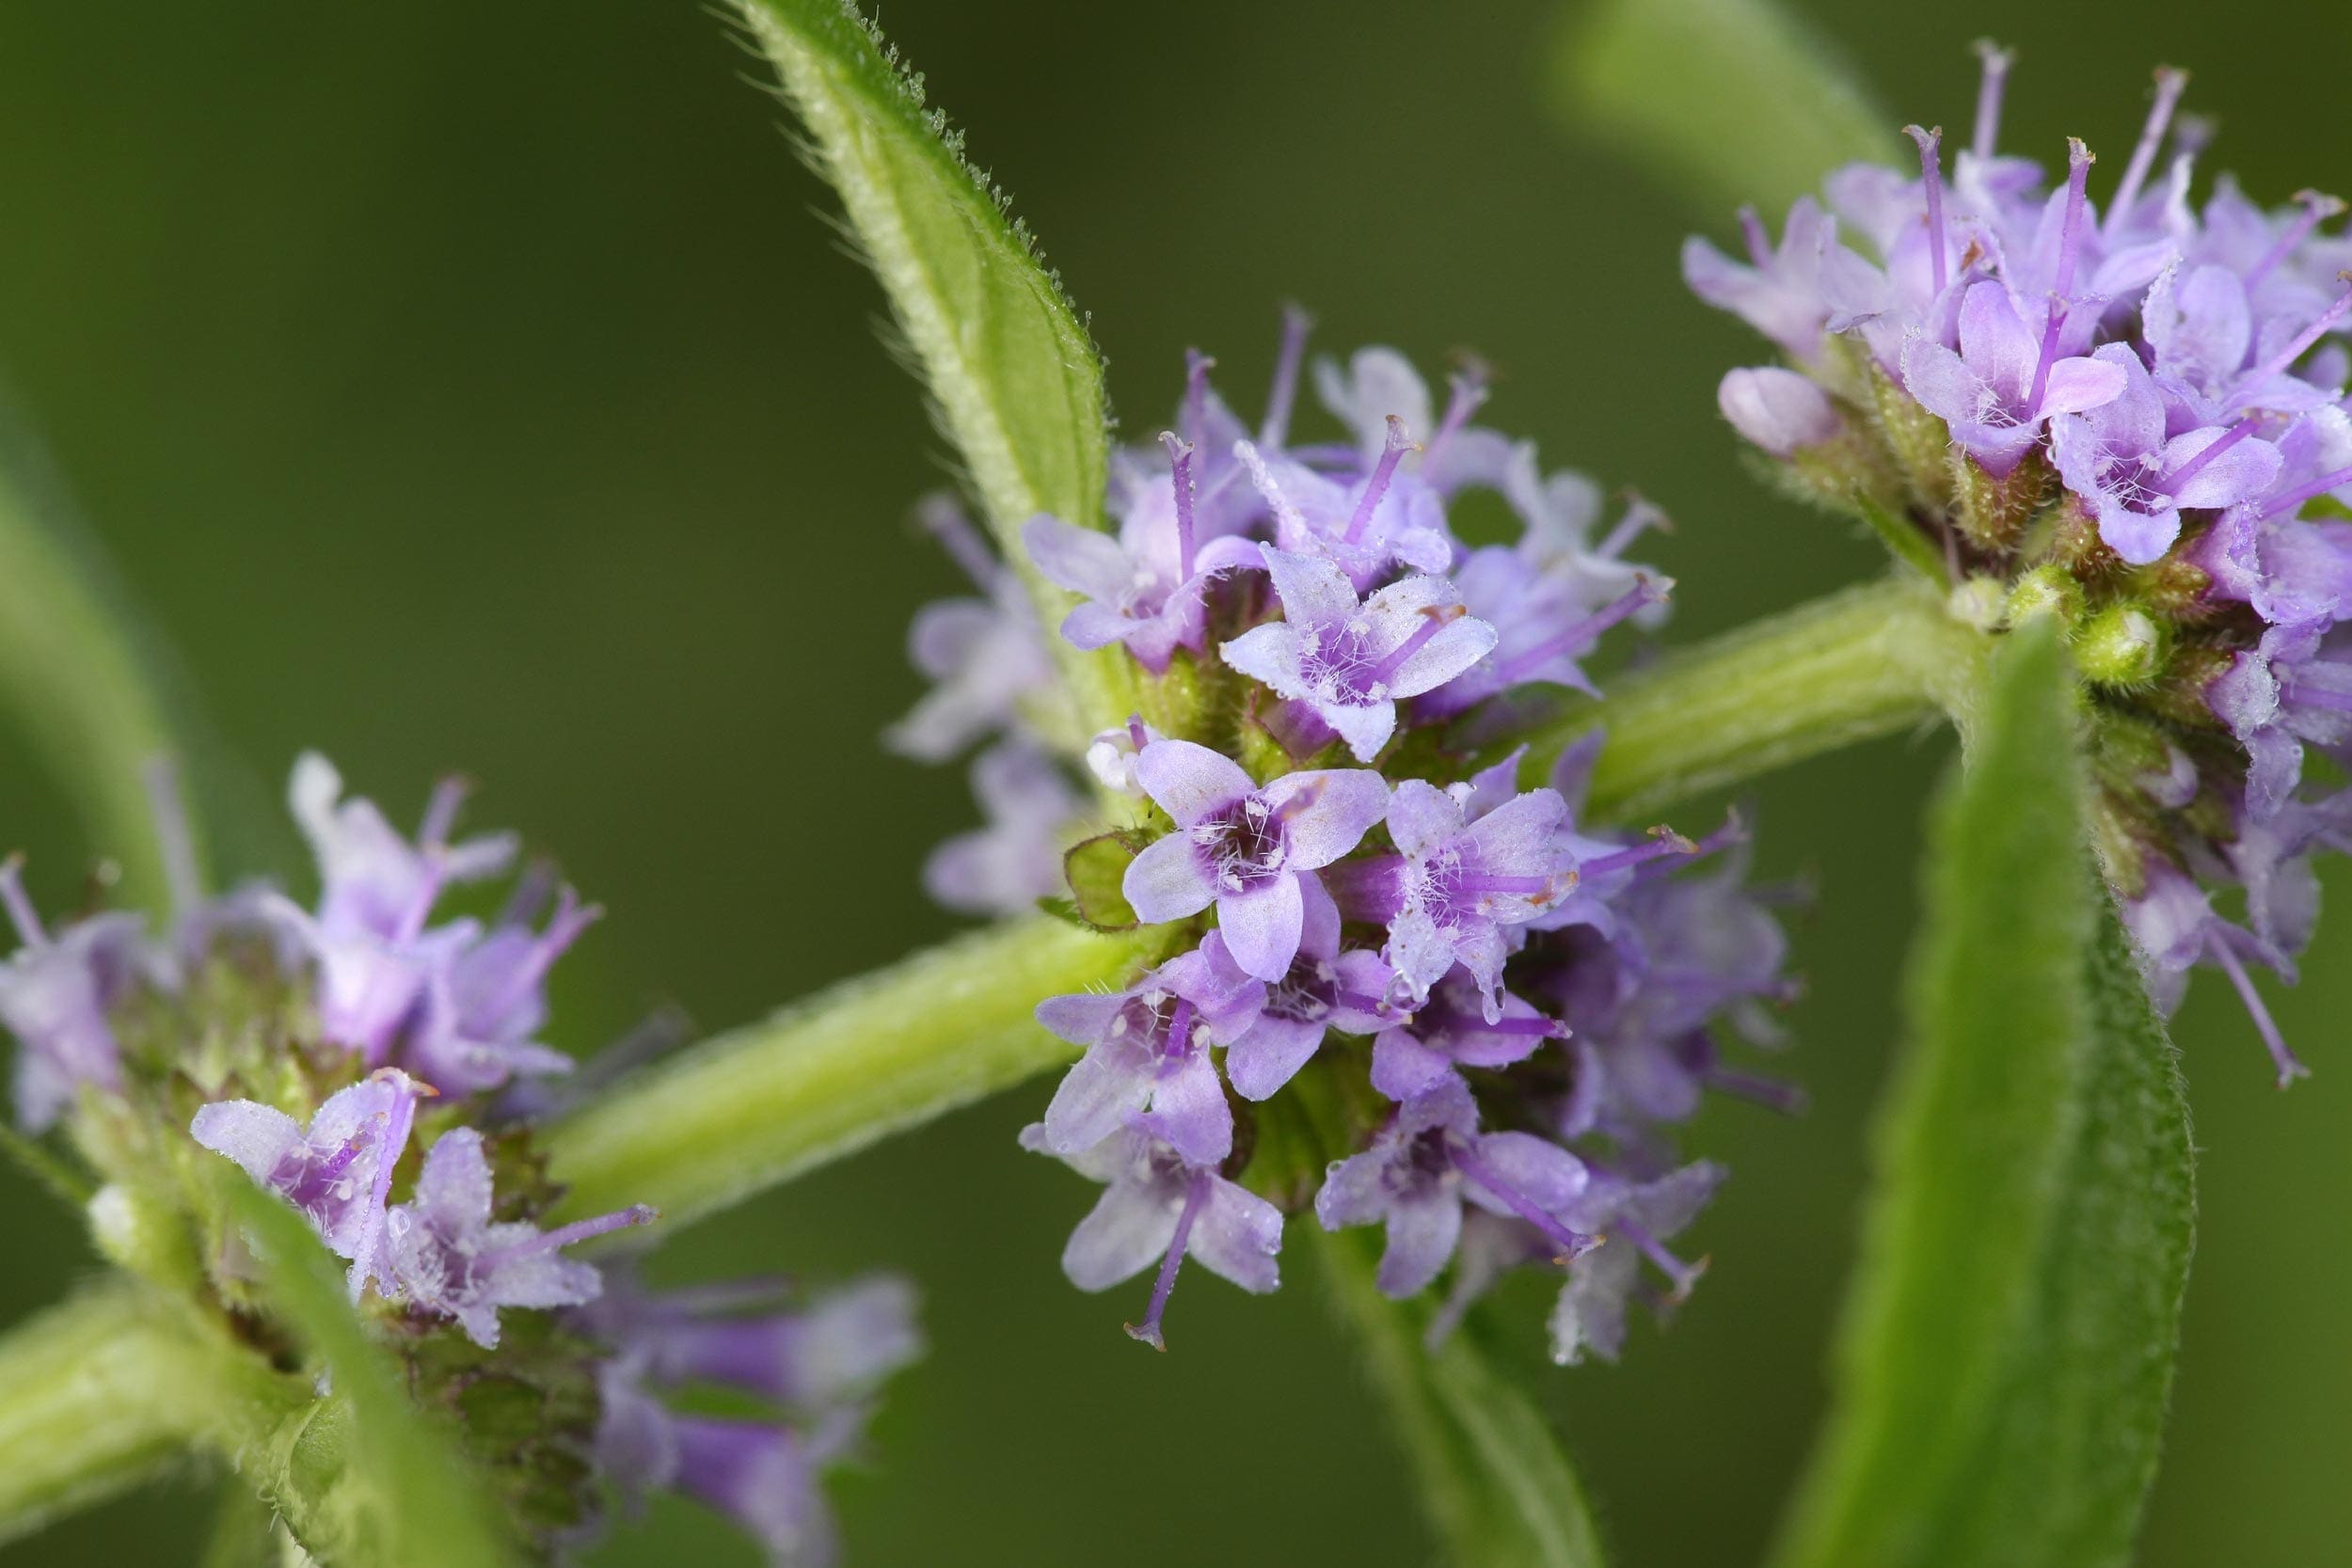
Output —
(469, 385)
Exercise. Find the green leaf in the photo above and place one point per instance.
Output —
(1728, 101)
(1498, 1488)
(367, 1479)
(97, 693)
(2008, 1338)
(1014, 376)
(821, 1079)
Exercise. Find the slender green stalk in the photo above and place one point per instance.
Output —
(891, 1050)
(887, 1050)
(1866, 662)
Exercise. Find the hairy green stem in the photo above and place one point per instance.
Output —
(102, 1390)
(869, 1057)
(1869, 661)
(99, 1391)
(891, 1050)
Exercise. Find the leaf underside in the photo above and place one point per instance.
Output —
(2007, 1352)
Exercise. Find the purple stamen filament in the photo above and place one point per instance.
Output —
(1996, 63)
(956, 535)
(180, 877)
(1470, 392)
(1640, 517)
(2170, 85)
(1932, 174)
(1284, 392)
(579, 1230)
(1197, 367)
(2289, 1067)
(1470, 1164)
(1683, 1275)
(2170, 484)
(1584, 633)
(1759, 247)
(2078, 161)
(1434, 621)
(1196, 1193)
(1180, 461)
(20, 911)
(2277, 362)
(2316, 209)
(1377, 485)
(1669, 843)
(2303, 493)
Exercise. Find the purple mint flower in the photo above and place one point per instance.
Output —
(1348, 660)
(54, 997)
(1926, 249)
(375, 957)
(480, 1012)
(338, 1171)
(986, 654)
(1145, 588)
(447, 1256)
(1424, 1162)
(2004, 383)
(1541, 631)
(1149, 1046)
(1244, 848)
(372, 880)
(831, 1351)
(1778, 292)
(2175, 928)
(1008, 866)
(1362, 527)
(1455, 885)
(1778, 410)
(2203, 330)
(761, 1475)
(1158, 1204)
(2293, 689)
(1379, 390)
(2135, 481)
(1111, 756)
(1558, 512)
(1326, 988)
(2260, 553)
(1634, 1220)
(1452, 1029)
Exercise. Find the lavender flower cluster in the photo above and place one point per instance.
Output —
(319, 1049)
(2134, 418)
(1387, 983)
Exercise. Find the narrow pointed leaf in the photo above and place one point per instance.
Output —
(1014, 377)
(96, 692)
(1728, 101)
(368, 1479)
(2008, 1343)
(1493, 1479)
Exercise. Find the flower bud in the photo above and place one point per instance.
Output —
(1776, 409)
(2122, 645)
